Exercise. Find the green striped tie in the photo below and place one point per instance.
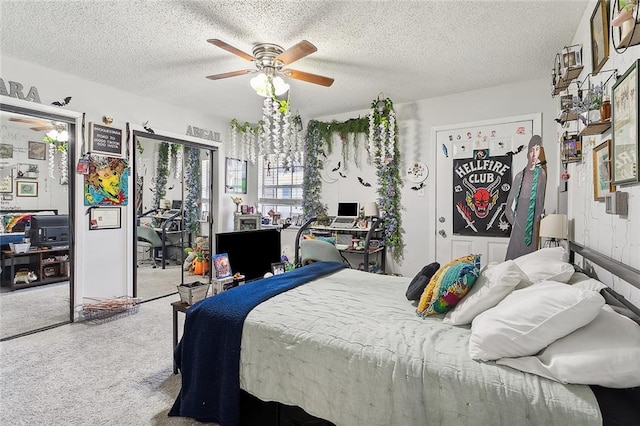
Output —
(528, 230)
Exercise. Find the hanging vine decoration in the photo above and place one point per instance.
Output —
(162, 171)
(193, 186)
(383, 143)
(311, 183)
(381, 128)
(58, 146)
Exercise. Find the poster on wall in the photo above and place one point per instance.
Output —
(105, 140)
(480, 188)
(107, 182)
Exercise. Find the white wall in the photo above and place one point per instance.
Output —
(103, 260)
(415, 121)
(613, 235)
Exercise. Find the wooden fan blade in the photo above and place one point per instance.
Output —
(308, 77)
(221, 44)
(41, 128)
(28, 121)
(296, 52)
(229, 74)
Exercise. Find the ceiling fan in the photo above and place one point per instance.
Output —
(271, 59)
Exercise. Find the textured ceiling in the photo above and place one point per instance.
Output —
(408, 50)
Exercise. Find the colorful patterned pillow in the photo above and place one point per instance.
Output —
(449, 285)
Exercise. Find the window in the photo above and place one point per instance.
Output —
(280, 182)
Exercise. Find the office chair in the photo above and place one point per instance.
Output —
(319, 251)
(149, 240)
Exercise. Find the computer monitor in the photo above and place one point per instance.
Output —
(348, 209)
(176, 204)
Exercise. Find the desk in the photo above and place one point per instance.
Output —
(177, 307)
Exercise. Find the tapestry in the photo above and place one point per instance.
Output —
(107, 182)
(480, 188)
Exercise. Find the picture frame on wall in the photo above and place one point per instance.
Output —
(599, 35)
(37, 150)
(6, 150)
(104, 218)
(602, 171)
(625, 132)
(6, 184)
(571, 149)
(26, 189)
(235, 176)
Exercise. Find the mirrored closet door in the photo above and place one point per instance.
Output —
(36, 191)
(173, 202)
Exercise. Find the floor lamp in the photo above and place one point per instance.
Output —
(554, 228)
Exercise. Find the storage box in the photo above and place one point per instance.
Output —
(192, 294)
(222, 284)
(19, 247)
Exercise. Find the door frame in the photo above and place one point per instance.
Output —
(76, 121)
(436, 150)
(133, 133)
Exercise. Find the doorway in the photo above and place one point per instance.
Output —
(174, 200)
(37, 146)
(474, 175)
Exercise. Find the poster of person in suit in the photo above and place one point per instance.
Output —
(480, 188)
(525, 203)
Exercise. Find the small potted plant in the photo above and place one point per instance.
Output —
(591, 103)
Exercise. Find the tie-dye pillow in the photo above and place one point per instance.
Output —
(449, 285)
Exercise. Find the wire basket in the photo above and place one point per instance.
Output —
(105, 310)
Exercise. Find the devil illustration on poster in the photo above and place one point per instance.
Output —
(480, 188)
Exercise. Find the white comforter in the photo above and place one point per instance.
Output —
(349, 348)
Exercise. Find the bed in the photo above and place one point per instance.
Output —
(347, 346)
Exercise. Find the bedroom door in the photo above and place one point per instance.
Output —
(476, 163)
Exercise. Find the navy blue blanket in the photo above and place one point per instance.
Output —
(209, 353)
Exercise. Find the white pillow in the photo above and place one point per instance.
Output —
(528, 320)
(496, 280)
(605, 352)
(546, 264)
(577, 277)
(590, 284)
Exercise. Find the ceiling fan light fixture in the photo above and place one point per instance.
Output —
(263, 86)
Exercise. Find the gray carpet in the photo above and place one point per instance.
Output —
(113, 373)
(29, 309)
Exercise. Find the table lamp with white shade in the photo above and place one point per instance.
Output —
(553, 227)
(371, 209)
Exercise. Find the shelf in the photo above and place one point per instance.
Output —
(565, 80)
(595, 128)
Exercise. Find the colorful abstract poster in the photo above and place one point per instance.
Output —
(107, 182)
(480, 190)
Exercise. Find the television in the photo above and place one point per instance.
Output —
(348, 209)
(176, 204)
(49, 230)
(252, 252)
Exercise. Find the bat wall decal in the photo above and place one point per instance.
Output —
(336, 168)
(362, 181)
(148, 129)
(418, 187)
(63, 102)
(517, 150)
(342, 174)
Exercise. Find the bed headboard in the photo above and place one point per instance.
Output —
(615, 267)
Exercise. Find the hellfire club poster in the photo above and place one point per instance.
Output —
(480, 189)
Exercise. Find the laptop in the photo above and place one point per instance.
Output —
(347, 216)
